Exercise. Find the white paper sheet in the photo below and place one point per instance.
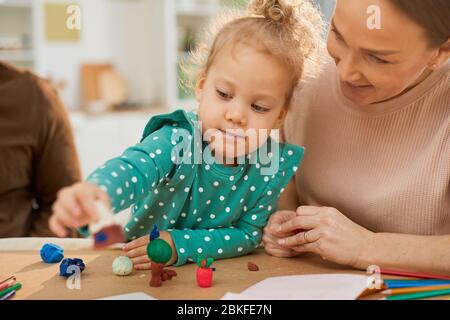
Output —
(305, 287)
(130, 296)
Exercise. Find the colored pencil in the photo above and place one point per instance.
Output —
(402, 283)
(420, 295)
(413, 274)
(9, 295)
(7, 284)
(414, 289)
(7, 279)
(16, 286)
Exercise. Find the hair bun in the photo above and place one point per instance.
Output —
(280, 11)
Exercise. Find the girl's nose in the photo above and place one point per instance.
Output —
(237, 113)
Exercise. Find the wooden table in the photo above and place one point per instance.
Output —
(41, 280)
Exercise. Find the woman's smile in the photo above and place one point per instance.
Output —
(356, 92)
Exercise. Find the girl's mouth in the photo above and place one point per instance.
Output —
(233, 134)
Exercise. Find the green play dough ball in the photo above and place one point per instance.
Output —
(122, 266)
(159, 251)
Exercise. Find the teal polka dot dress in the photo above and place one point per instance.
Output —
(210, 209)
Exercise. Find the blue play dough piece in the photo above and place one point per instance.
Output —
(51, 253)
(155, 233)
(101, 237)
(66, 263)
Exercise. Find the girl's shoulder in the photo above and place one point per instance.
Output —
(178, 122)
(278, 163)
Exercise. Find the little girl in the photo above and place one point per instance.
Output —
(200, 177)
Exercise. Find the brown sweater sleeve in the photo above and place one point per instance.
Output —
(55, 163)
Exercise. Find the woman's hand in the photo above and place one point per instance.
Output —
(270, 239)
(324, 231)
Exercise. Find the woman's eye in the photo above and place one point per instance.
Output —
(223, 94)
(336, 34)
(258, 108)
(377, 60)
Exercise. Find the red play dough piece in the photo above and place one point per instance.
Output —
(204, 277)
(159, 274)
(109, 235)
(252, 266)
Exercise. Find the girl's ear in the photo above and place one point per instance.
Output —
(199, 87)
(281, 118)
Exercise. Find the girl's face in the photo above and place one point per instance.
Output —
(241, 99)
(375, 65)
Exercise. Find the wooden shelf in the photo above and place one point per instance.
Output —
(16, 3)
(17, 55)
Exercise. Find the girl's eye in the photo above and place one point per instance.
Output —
(259, 108)
(223, 95)
(377, 60)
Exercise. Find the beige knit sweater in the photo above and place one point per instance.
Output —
(386, 166)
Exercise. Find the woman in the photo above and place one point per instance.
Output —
(373, 188)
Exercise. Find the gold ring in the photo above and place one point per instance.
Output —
(305, 237)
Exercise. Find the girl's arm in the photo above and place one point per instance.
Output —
(241, 238)
(141, 168)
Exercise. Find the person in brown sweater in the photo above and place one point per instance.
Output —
(37, 152)
(374, 185)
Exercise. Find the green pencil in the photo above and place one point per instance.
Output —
(16, 286)
(420, 295)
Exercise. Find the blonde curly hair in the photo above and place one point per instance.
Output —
(289, 30)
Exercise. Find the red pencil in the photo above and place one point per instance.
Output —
(7, 283)
(413, 274)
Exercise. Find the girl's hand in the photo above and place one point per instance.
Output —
(75, 207)
(326, 232)
(136, 250)
(270, 238)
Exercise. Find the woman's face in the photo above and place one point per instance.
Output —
(375, 65)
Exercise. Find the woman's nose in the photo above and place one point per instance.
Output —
(348, 69)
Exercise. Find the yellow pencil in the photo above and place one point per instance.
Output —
(414, 289)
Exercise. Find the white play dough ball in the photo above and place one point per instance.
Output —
(122, 266)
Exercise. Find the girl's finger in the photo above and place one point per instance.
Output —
(64, 216)
(56, 227)
(71, 209)
(85, 198)
(141, 260)
(67, 201)
(143, 266)
(139, 242)
(134, 253)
